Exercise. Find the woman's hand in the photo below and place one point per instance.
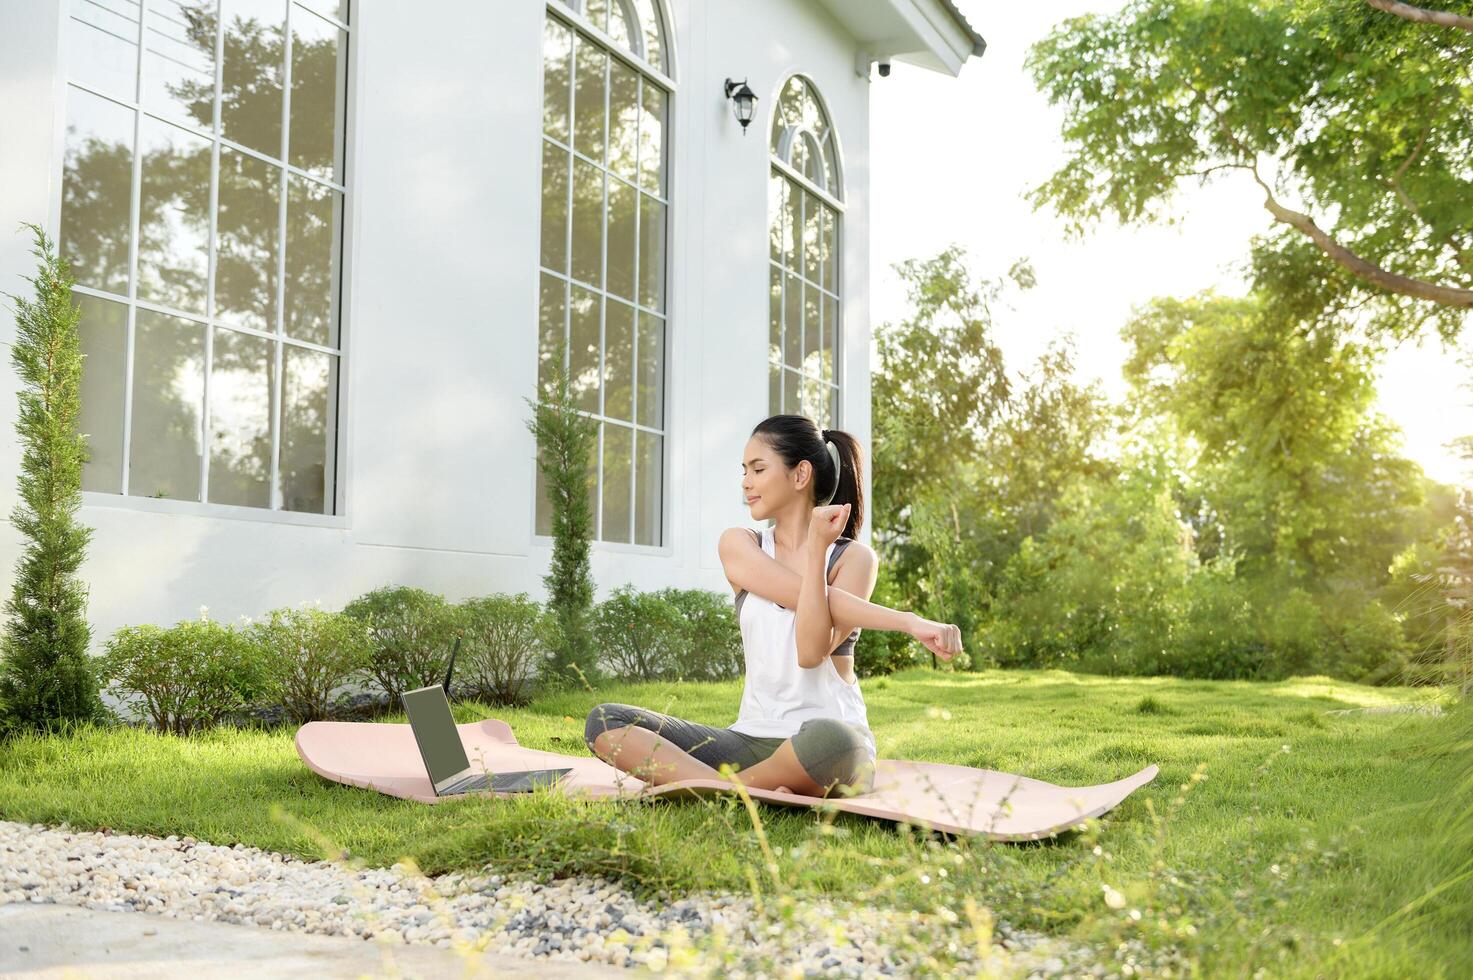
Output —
(942, 639)
(828, 523)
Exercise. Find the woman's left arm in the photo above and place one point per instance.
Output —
(815, 626)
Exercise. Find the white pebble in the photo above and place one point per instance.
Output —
(568, 919)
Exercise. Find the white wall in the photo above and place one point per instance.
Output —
(441, 305)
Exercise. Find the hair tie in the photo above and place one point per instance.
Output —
(838, 468)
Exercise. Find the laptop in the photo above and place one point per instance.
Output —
(444, 755)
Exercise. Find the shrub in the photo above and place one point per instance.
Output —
(185, 677)
(307, 653)
(46, 675)
(639, 633)
(1103, 587)
(567, 447)
(708, 642)
(1218, 638)
(413, 632)
(505, 636)
(1364, 641)
(879, 652)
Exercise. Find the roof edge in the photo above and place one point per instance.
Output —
(979, 43)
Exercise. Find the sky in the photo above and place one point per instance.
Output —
(951, 159)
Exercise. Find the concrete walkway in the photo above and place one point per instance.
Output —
(38, 940)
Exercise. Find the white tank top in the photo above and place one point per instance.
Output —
(778, 695)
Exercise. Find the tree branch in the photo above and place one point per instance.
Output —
(1420, 15)
(1208, 170)
(1390, 281)
(1361, 268)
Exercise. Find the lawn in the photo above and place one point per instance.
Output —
(1278, 835)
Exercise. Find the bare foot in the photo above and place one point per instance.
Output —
(783, 789)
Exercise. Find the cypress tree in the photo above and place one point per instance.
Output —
(47, 678)
(565, 442)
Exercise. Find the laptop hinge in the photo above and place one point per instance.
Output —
(449, 781)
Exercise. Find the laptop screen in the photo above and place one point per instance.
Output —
(434, 730)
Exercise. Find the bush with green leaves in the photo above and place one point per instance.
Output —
(185, 677)
(505, 637)
(1103, 588)
(1218, 637)
(880, 652)
(306, 654)
(638, 633)
(708, 644)
(413, 633)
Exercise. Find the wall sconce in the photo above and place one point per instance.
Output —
(744, 100)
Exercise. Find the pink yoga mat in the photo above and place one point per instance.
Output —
(932, 795)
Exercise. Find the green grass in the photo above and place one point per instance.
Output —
(1318, 860)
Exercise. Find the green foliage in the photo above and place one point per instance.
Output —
(1242, 524)
(413, 633)
(186, 677)
(1432, 585)
(46, 674)
(967, 460)
(1115, 586)
(1375, 148)
(504, 638)
(1289, 454)
(566, 441)
(936, 384)
(1218, 636)
(939, 376)
(955, 590)
(639, 634)
(308, 653)
(1049, 432)
(708, 643)
(1103, 586)
(880, 652)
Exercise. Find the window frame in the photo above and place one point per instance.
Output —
(574, 20)
(340, 492)
(777, 166)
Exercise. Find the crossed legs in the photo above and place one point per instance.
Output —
(650, 757)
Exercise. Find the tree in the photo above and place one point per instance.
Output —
(46, 675)
(565, 443)
(1355, 119)
(1300, 474)
(968, 459)
(937, 384)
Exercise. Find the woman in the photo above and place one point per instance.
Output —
(802, 590)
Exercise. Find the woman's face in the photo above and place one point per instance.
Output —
(765, 478)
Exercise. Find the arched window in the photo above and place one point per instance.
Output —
(805, 201)
(606, 107)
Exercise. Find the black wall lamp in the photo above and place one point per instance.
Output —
(744, 99)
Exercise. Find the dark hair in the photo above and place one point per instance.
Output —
(797, 437)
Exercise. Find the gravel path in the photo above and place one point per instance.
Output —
(589, 919)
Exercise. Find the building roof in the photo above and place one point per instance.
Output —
(979, 43)
(930, 34)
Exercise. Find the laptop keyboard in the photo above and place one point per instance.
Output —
(479, 780)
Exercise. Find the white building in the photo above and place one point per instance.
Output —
(321, 244)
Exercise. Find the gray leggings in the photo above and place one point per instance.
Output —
(831, 751)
